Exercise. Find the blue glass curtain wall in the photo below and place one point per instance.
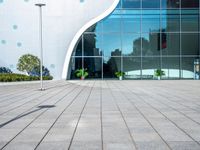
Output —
(139, 37)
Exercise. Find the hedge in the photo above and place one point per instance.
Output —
(12, 77)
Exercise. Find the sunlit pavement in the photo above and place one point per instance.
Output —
(100, 115)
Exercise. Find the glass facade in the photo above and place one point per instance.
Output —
(139, 37)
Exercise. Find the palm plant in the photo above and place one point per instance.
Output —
(159, 73)
(81, 73)
(119, 74)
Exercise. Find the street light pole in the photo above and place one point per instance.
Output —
(41, 44)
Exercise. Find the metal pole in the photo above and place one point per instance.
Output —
(41, 44)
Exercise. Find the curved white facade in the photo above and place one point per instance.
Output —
(63, 22)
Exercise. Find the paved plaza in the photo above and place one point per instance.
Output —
(100, 115)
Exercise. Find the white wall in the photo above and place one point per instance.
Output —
(62, 20)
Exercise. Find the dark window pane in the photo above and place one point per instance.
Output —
(149, 65)
(113, 22)
(171, 20)
(151, 44)
(92, 44)
(131, 21)
(170, 43)
(131, 45)
(189, 3)
(131, 3)
(78, 48)
(171, 67)
(150, 21)
(93, 66)
(110, 66)
(132, 67)
(150, 3)
(170, 3)
(75, 63)
(111, 45)
(190, 43)
(190, 20)
(188, 67)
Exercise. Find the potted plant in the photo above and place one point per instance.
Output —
(81, 73)
(159, 73)
(119, 74)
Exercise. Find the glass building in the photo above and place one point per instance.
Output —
(139, 37)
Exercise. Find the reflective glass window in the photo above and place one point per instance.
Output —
(171, 67)
(170, 43)
(131, 44)
(110, 66)
(78, 49)
(189, 3)
(188, 67)
(112, 23)
(131, 21)
(190, 20)
(150, 3)
(98, 27)
(92, 44)
(111, 45)
(170, 3)
(150, 21)
(93, 66)
(190, 43)
(75, 63)
(132, 67)
(151, 44)
(149, 65)
(131, 3)
(170, 20)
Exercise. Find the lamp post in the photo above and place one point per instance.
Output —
(40, 5)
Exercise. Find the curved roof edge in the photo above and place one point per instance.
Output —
(80, 32)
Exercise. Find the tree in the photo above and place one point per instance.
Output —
(5, 70)
(27, 63)
(36, 71)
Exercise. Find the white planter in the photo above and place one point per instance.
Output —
(120, 78)
(159, 77)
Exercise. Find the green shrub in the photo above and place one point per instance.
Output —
(119, 74)
(7, 77)
(81, 73)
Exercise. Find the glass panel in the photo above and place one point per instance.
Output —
(170, 3)
(149, 65)
(190, 20)
(111, 45)
(170, 43)
(93, 66)
(110, 66)
(131, 45)
(113, 22)
(190, 43)
(151, 44)
(78, 48)
(119, 5)
(189, 3)
(150, 21)
(150, 3)
(171, 20)
(98, 27)
(75, 63)
(188, 67)
(132, 67)
(171, 67)
(131, 3)
(131, 21)
(92, 44)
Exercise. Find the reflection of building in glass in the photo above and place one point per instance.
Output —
(141, 36)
